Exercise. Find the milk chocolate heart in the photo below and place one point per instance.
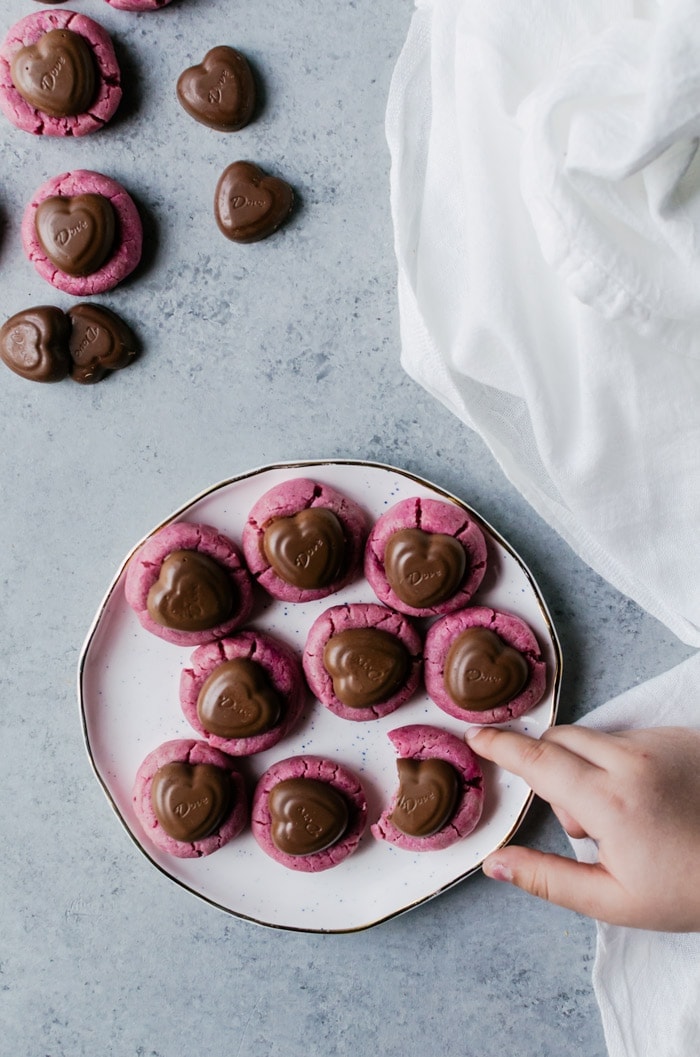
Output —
(427, 796)
(57, 74)
(482, 672)
(191, 800)
(192, 593)
(367, 665)
(76, 233)
(220, 91)
(238, 700)
(248, 205)
(424, 568)
(99, 342)
(307, 816)
(34, 344)
(306, 550)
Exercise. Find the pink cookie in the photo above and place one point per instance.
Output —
(76, 218)
(139, 5)
(308, 813)
(425, 557)
(189, 798)
(362, 661)
(483, 666)
(441, 792)
(187, 584)
(243, 694)
(304, 540)
(65, 84)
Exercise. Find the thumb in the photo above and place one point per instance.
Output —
(582, 887)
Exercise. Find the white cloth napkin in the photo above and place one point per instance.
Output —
(545, 193)
(648, 983)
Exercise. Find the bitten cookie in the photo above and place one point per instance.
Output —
(425, 557)
(483, 666)
(188, 584)
(303, 541)
(59, 75)
(189, 798)
(243, 694)
(308, 813)
(362, 661)
(440, 796)
(82, 232)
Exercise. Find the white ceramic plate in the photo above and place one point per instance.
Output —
(128, 692)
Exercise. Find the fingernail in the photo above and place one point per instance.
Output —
(497, 871)
(471, 732)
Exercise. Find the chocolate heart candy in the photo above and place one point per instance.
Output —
(99, 342)
(238, 700)
(427, 796)
(76, 233)
(248, 205)
(191, 800)
(192, 593)
(57, 74)
(482, 672)
(367, 665)
(307, 816)
(424, 568)
(34, 344)
(220, 91)
(307, 549)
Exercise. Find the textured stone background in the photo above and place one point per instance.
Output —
(288, 349)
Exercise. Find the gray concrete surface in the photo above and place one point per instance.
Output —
(288, 349)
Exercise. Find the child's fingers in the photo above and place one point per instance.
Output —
(598, 748)
(557, 775)
(582, 887)
(569, 823)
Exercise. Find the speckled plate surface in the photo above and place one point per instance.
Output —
(128, 693)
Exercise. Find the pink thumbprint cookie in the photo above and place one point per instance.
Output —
(244, 693)
(139, 5)
(189, 798)
(303, 540)
(308, 813)
(82, 232)
(425, 557)
(440, 795)
(362, 660)
(59, 75)
(188, 584)
(483, 666)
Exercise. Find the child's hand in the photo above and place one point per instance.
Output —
(637, 794)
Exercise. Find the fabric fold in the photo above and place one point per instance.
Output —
(591, 408)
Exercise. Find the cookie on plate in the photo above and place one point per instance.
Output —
(362, 660)
(483, 665)
(303, 540)
(82, 232)
(441, 790)
(59, 75)
(425, 557)
(244, 693)
(189, 798)
(308, 813)
(188, 584)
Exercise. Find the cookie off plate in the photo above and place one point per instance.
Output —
(128, 683)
